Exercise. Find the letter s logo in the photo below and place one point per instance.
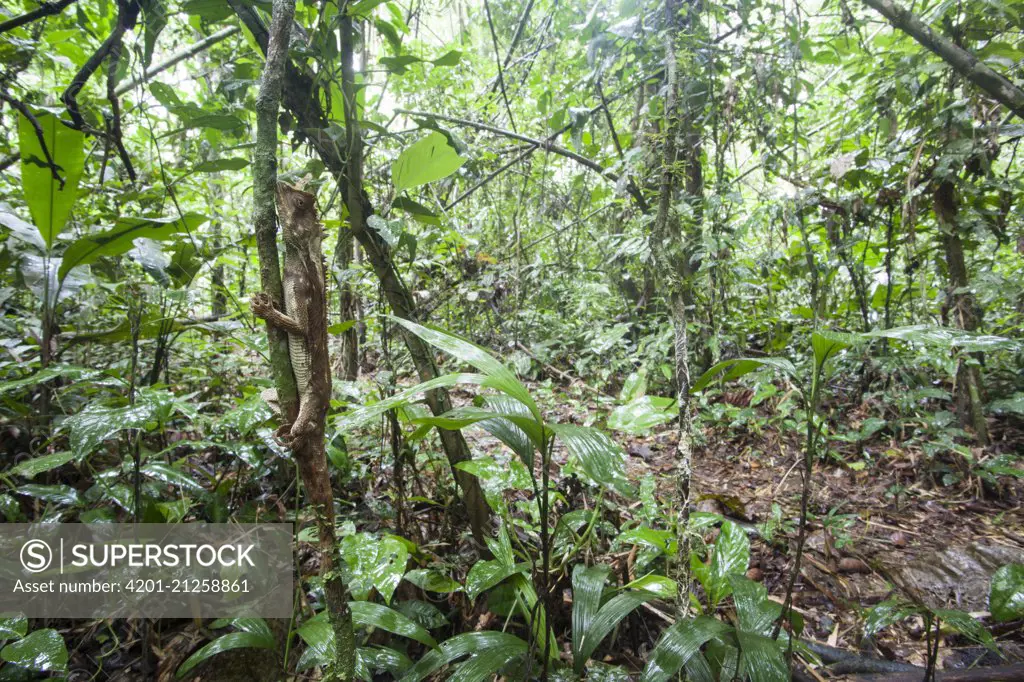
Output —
(36, 556)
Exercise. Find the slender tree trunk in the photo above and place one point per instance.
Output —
(348, 358)
(397, 293)
(308, 451)
(676, 242)
(964, 308)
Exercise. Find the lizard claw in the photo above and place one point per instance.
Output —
(261, 304)
(282, 436)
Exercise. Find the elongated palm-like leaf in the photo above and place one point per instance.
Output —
(755, 612)
(232, 640)
(486, 574)
(485, 664)
(386, 618)
(461, 417)
(370, 412)
(501, 377)
(600, 458)
(587, 588)
(466, 644)
(737, 367)
(761, 658)
(610, 615)
(678, 644)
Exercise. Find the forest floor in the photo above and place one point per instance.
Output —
(890, 523)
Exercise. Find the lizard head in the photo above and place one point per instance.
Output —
(297, 210)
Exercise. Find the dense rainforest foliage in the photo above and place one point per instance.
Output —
(653, 339)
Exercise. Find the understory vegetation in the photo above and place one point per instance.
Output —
(668, 339)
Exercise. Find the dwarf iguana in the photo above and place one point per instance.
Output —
(304, 317)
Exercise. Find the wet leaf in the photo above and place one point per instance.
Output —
(599, 457)
(1006, 598)
(40, 650)
(679, 643)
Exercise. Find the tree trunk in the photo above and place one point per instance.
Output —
(964, 308)
(398, 295)
(348, 358)
(308, 451)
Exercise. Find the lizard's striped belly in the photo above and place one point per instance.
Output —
(295, 309)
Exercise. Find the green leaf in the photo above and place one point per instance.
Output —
(755, 612)
(13, 627)
(32, 467)
(232, 640)
(466, 644)
(120, 239)
(417, 210)
(450, 58)
(600, 458)
(966, 625)
(368, 413)
(1006, 596)
(761, 658)
(399, 64)
(499, 376)
(679, 643)
(154, 14)
(827, 344)
(886, 613)
(729, 557)
(433, 581)
(63, 495)
(166, 473)
(49, 204)
(486, 574)
(665, 588)
(427, 160)
(217, 165)
(40, 650)
(98, 423)
(363, 8)
(610, 615)
(373, 563)
(587, 588)
(642, 414)
(738, 367)
(215, 121)
(385, 618)
(946, 337)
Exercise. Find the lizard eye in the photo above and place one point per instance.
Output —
(300, 202)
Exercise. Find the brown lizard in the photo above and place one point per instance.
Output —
(305, 320)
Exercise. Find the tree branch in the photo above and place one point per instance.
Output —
(44, 10)
(545, 144)
(178, 57)
(24, 110)
(963, 62)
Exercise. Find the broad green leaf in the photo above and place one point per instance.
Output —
(466, 644)
(32, 467)
(450, 58)
(382, 658)
(385, 618)
(417, 210)
(731, 369)
(887, 613)
(587, 588)
(945, 337)
(367, 413)
(729, 557)
(499, 376)
(97, 423)
(63, 495)
(485, 665)
(486, 574)
(422, 612)
(49, 204)
(761, 658)
(232, 640)
(433, 581)
(634, 387)
(642, 414)
(217, 165)
(461, 417)
(13, 627)
(827, 344)
(154, 14)
(215, 121)
(610, 615)
(755, 612)
(678, 644)
(665, 588)
(600, 458)
(1006, 596)
(373, 563)
(120, 239)
(427, 160)
(40, 650)
(966, 625)
(166, 473)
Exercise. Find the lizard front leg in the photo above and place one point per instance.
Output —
(263, 307)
